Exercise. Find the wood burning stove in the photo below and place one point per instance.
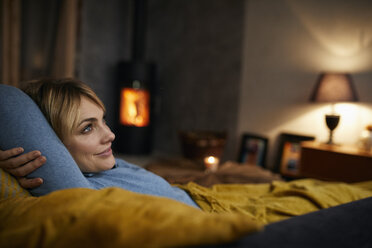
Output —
(135, 89)
(134, 121)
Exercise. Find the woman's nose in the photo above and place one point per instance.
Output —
(108, 135)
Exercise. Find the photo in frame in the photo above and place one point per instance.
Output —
(289, 153)
(253, 149)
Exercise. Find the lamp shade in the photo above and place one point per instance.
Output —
(334, 87)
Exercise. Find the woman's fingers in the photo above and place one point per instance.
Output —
(8, 161)
(29, 183)
(20, 165)
(7, 154)
(31, 164)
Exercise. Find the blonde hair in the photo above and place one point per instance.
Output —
(59, 100)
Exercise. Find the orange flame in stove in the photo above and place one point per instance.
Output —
(134, 107)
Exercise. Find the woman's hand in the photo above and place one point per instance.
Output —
(20, 165)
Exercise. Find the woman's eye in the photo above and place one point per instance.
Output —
(87, 129)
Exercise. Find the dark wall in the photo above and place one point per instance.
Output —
(103, 41)
(197, 48)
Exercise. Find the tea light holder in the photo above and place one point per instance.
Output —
(211, 163)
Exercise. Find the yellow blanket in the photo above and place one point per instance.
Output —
(276, 201)
(115, 217)
(112, 218)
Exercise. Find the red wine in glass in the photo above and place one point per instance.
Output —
(332, 121)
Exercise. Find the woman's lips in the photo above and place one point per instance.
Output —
(107, 152)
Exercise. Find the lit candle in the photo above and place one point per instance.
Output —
(211, 163)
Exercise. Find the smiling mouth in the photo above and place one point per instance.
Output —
(107, 152)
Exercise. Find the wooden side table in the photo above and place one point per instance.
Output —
(335, 162)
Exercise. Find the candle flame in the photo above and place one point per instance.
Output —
(211, 163)
(211, 159)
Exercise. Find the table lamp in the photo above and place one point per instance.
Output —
(333, 88)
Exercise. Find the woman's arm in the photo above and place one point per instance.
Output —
(20, 165)
(22, 124)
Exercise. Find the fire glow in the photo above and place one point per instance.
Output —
(134, 107)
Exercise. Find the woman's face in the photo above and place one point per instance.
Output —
(90, 143)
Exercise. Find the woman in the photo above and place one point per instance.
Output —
(76, 115)
(82, 158)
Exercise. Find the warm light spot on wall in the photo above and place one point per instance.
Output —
(354, 119)
(348, 112)
(346, 109)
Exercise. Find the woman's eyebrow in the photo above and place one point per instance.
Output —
(92, 119)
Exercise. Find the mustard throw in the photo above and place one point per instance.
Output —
(112, 217)
(278, 200)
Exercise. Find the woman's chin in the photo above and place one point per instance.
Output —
(106, 164)
(110, 164)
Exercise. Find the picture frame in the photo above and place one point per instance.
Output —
(289, 153)
(253, 149)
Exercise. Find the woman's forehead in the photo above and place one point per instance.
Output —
(88, 108)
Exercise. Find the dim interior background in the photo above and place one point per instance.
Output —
(226, 65)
